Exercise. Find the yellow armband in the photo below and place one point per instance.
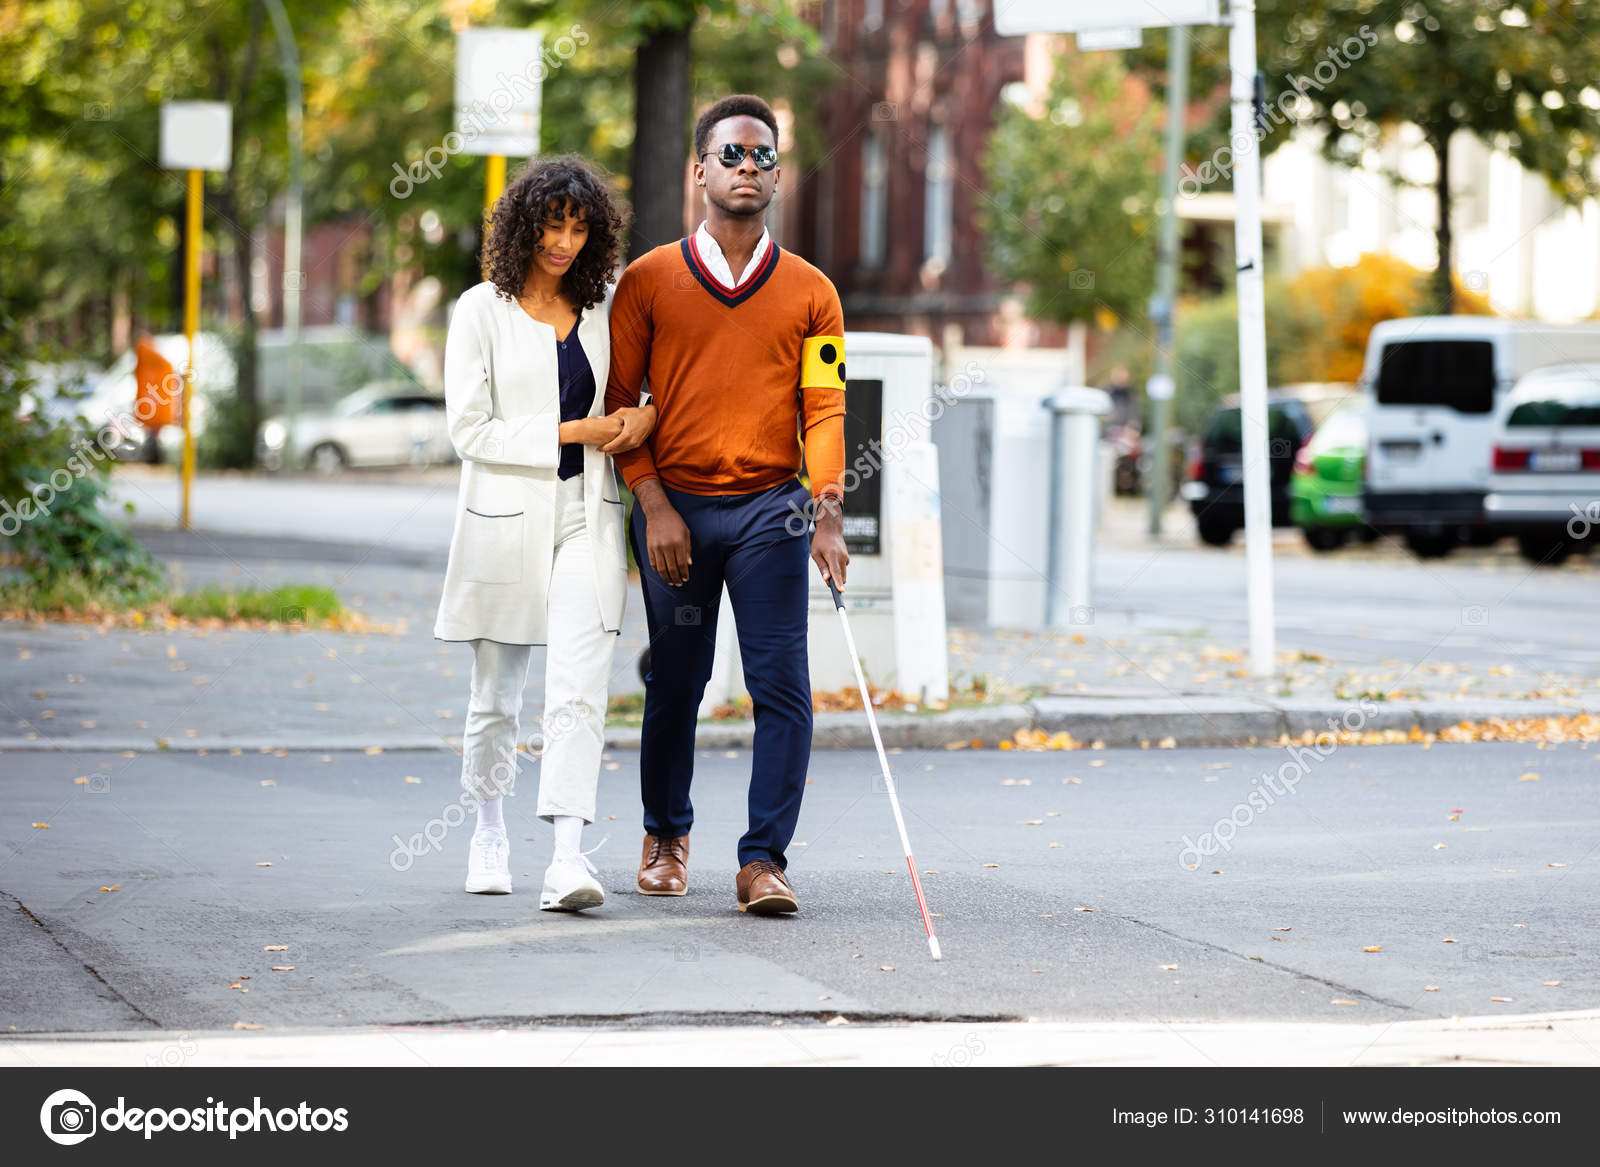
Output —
(822, 362)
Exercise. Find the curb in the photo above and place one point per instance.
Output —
(1105, 722)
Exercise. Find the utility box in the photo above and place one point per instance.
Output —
(997, 447)
(894, 590)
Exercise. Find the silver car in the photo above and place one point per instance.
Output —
(385, 423)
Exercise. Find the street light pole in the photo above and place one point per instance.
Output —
(1252, 335)
(293, 278)
(1161, 385)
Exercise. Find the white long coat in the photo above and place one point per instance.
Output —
(503, 403)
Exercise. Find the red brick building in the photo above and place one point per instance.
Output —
(891, 211)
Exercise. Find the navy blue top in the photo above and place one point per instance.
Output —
(577, 394)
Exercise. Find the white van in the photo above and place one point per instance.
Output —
(1433, 385)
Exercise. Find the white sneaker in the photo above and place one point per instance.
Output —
(570, 886)
(489, 863)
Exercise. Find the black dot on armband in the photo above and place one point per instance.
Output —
(828, 354)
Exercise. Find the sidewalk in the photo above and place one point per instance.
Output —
(1161, 661)
(1539, 1039)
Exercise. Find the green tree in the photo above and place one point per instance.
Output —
(1073, 193)
(1518, 76)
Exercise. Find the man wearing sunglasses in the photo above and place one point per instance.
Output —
(743, 347)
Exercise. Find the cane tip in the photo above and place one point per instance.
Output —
(933, 947)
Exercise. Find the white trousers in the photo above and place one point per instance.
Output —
(577, 669)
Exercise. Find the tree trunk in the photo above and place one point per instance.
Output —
(661, 104)
(1444, 289)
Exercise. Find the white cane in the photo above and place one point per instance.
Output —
(883, 761)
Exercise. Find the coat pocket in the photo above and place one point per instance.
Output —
(491, 547)
(609, 491)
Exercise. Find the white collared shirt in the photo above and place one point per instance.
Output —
(711, 255)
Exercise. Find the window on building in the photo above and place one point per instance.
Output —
(936, 209)
(874, 200)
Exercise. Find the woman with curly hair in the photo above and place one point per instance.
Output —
(537, 555)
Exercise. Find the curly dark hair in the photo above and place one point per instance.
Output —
(549, 186)
(736, 105)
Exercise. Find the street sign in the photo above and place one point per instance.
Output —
(1016, 17)
(499, 80)
(1092, 40)
(196, 135)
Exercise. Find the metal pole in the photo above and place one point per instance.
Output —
(1252, 335)
(293, 277)
(495, 182)
(191, 325)
(1157, 484)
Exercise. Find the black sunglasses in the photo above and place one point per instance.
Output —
(765, 157)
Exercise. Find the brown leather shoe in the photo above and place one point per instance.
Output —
(664, 866)
(764, 889)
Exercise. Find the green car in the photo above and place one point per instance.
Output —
(1325, 489)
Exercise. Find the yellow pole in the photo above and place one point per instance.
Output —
(191, 325)
(496, 183)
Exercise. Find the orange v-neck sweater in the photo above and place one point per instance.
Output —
(733, 409)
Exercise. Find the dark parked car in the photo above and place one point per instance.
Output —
(1215, 489)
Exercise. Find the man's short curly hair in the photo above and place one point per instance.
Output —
(546, 187)
(738, 105)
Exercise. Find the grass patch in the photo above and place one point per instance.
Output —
(289, 604)
(73, 592)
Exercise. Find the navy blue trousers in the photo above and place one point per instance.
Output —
(755, 544)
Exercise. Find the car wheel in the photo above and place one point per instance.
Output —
(1325, 538)
(1431, 544)
(1546, 550)
(327, 458)
(1215, 532)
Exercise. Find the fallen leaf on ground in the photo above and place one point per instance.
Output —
(1530, 776)
(1450, 940)
(1549, 984)
(886, 968)
(1284, 928)
(1430, 988)
(1083, 909)
(113, 887)
(1340, 1001)
(1169, 968)
(837, 1019)
(283, 968)
(269, 782)
(263, 864)
(1373, 948)
(276, 948)
(1502, 1000)
(991, 865)
(247, 1025)
(1555, 864)
(1033, 822)
(42, 826)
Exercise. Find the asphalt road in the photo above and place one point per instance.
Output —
(1350, 860)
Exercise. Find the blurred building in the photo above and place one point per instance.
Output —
(890, 213)
(1513, 238)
